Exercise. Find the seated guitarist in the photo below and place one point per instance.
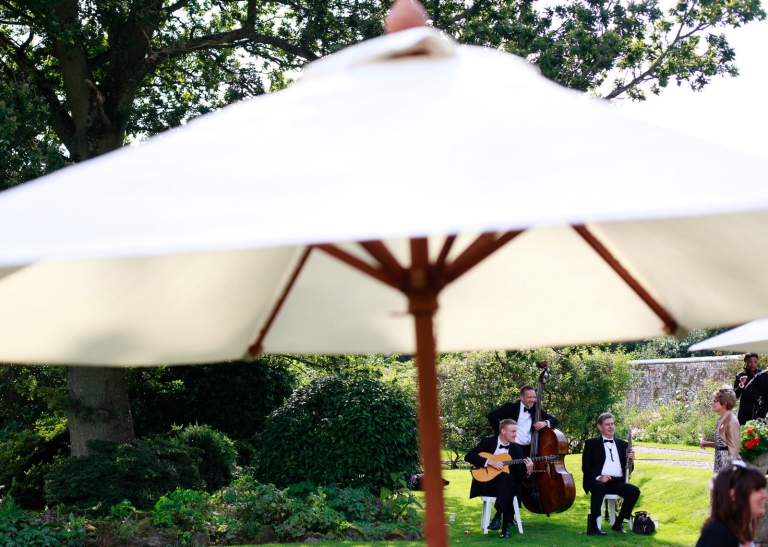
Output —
(505, 486)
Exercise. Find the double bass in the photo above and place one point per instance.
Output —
(552, 489)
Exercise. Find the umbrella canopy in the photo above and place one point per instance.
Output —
(749, 338)
(205, 225)
(396, 175)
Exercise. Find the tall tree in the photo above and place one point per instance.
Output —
(99, 73)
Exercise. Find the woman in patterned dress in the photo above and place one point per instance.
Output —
(727, 433)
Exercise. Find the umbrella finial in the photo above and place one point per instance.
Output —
(406, 14)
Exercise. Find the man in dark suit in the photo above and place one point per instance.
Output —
(520, 411)
(505, 486)
(604, 464)
(748, 399)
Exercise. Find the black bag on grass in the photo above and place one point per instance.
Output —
(643, 523)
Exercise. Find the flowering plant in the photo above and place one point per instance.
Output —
(754, 439)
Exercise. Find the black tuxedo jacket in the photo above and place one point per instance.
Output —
(488, 444)
(593, 459)
(512, 410)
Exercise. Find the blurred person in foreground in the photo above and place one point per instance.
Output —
(727, 432)
(738, 502)
(747, 404)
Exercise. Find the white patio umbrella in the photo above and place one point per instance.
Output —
(749, 338)
(396, 175)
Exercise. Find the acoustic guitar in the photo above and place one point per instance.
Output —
(485, 474)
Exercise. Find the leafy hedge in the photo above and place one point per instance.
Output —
(339, 432)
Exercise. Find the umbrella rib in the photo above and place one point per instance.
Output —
(670, 325)
(379, 251)
(480, 249)
(447, 245)
(381, 275)
(256, 348)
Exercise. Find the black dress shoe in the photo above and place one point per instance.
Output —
(617, 527)
(496, 522)
(504, 531)
(593, 529)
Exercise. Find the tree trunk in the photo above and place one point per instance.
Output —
(98, 407)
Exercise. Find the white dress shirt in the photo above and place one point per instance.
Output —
(524, 427)
(524, 423)
(612, 465)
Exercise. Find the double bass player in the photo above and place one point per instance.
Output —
(522, 412)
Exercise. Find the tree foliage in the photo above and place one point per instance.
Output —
(234, 398)
(78, 78)
(339, 432)
(671, 347)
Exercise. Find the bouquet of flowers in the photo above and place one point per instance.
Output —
(754, 440)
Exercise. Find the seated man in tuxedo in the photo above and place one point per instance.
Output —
(604, 464)
(505, 486)
(520, 411)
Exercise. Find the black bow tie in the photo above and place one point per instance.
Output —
(526, 409)
(504, 446)
(607, 440)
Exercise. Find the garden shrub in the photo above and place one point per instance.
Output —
(139, 472)
(218, 458)
(356, 504)
(189, 512)
(339, 432)
(249, 507)
(28, 455)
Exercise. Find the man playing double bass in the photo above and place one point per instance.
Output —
(604, 463)
(505, 486)
(520, 411)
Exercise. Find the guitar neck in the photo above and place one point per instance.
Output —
(534, 459)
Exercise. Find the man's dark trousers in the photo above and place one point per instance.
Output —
(617, 486)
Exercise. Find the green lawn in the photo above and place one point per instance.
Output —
(676, 497)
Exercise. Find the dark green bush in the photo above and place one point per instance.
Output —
(26, 456)
(339, 432)
(218, 458)
(140, 472)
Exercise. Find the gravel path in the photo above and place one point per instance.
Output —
(640, 450)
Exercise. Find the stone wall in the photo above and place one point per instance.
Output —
(660, 379)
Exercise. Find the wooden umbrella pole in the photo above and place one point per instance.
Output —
(430, 436)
